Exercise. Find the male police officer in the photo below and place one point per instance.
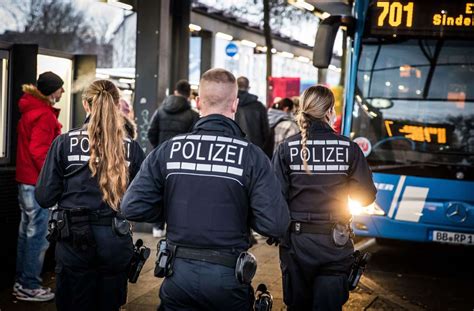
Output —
(212, 186)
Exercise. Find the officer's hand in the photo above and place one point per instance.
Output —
(271, 241)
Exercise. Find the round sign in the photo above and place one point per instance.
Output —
(231, 49)
(364, 145)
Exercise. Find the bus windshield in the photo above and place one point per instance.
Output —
(414, 105)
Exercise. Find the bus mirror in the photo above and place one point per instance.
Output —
(327, 31)
(381, 103)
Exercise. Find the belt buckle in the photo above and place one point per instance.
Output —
(297, 227)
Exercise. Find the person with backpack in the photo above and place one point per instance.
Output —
(282, 123)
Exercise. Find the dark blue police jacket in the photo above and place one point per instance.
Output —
(66, 179)
(337, 170)
(211, 186)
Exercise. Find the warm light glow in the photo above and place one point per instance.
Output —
(262, 48)
(224, 36)
(355, 208)
(325, 15)
(193, 27)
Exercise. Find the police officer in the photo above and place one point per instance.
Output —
(211, 186)
(318, 170)
(86, 174)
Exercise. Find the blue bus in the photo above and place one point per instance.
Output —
(409, 104)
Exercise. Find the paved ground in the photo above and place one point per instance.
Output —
(397, 279)
(144, 295)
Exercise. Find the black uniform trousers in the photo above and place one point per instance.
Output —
(315, 272)
(198, 285)
(95, 278)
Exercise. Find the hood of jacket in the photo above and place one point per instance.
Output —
(33, 99)
(276, 115)
(246, 98)
(219, 123)
(175, 104)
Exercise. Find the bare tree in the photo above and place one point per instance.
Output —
(275, 14)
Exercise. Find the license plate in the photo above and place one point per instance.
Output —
(453, 237)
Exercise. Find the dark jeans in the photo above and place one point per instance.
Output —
(315, 272)
(197, 285)
(96, 278)
(32, 243)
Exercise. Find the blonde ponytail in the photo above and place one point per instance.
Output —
(106, 140)
(315, 102)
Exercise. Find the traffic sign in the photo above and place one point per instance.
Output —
(231, 49)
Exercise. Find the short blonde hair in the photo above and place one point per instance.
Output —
(217, 88)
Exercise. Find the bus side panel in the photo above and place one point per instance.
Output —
(415, 206)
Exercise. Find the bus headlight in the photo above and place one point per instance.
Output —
(356, 208)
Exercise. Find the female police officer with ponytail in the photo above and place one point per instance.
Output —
(86, 173)
(318, 170)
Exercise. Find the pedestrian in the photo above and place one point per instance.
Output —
(318, 170)
(37, 128)
(210, 186)
(252, 116)
(296, 103)
(282, 122)
(129, 118)
(86, 173)
(173, 117)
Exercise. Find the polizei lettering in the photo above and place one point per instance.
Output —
(329, 156)
(209, 155)
(206, 151)
(317, 154)
(78, 147)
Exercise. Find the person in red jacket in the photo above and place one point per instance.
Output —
(37, 128)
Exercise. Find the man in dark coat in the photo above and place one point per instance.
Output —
(173, 117)
(251, 116)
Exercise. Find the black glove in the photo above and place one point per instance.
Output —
(271, 241)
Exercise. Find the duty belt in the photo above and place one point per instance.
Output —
(333, 217)
(206, 255)
(90, 217)
(304, 227)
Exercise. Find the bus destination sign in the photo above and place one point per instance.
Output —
(453, 18)
(421, 133)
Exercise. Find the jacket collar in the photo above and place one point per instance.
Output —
(218, 123)
(320, 126)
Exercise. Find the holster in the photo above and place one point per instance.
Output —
(164, 259)
(58, 226)
(245, 267)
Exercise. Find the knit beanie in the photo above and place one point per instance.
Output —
(48, 83)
